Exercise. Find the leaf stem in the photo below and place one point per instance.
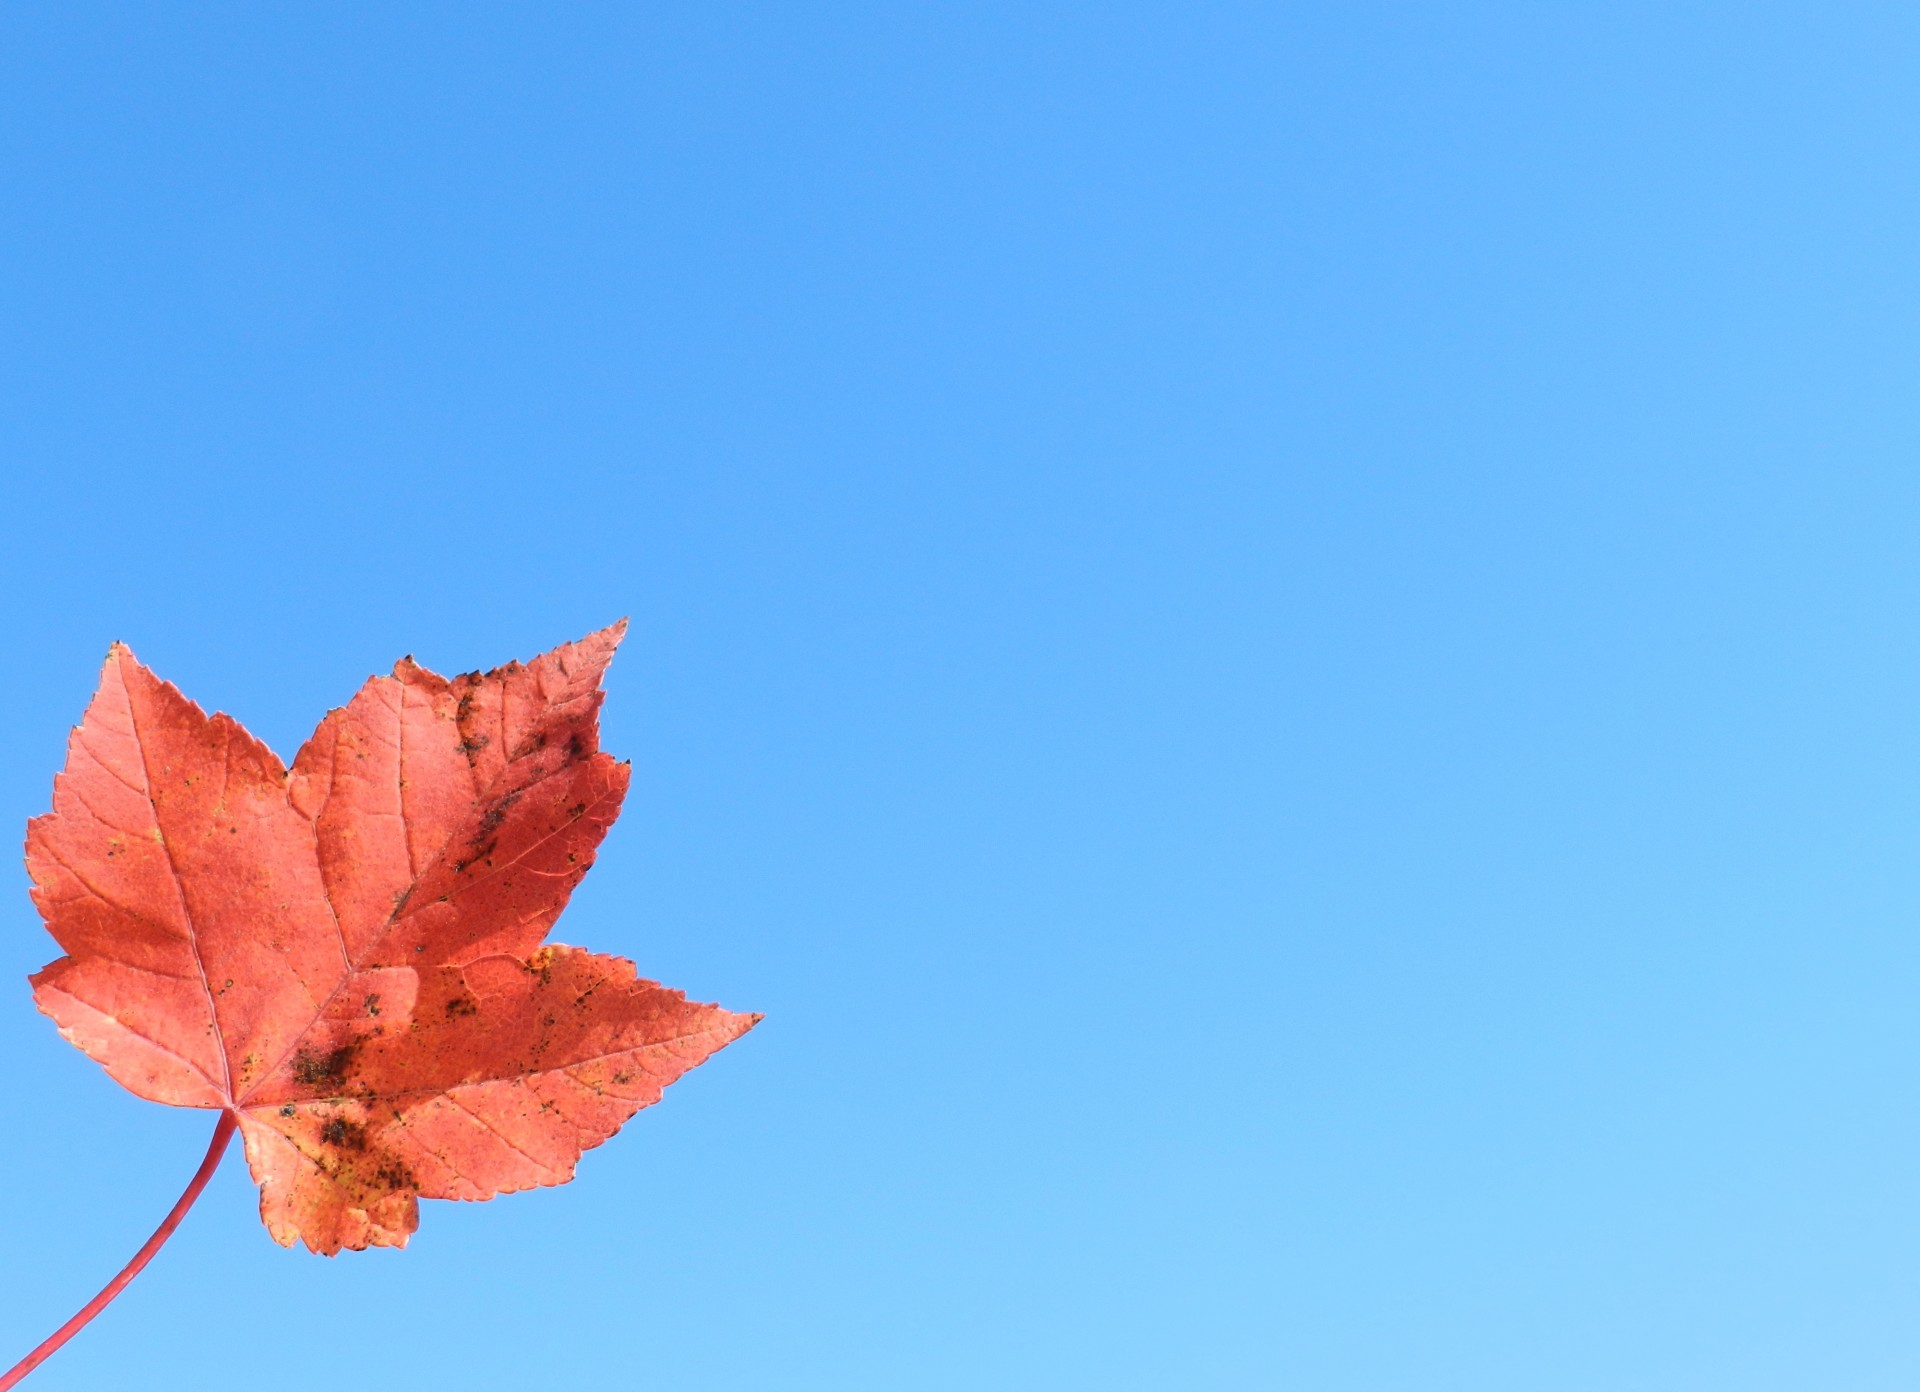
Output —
(222, 1134)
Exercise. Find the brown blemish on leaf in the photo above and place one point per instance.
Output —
(490, 820)
(392, 1174)
(344, 1134)
(324, 1070)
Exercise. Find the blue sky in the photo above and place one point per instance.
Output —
(1278, 638)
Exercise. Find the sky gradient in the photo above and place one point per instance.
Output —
(1279, 639)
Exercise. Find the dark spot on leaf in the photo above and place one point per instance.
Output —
(491, 819)
(461, 1006)
(392, 1174)
(348, 1135)
(312, 1068)
(373, 1003)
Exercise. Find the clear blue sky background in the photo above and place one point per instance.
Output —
(1279, 638)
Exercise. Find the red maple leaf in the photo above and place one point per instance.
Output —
(345, 957)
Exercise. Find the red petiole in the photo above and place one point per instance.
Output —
(222, 1134)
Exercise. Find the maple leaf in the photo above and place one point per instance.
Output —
(346, 957)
